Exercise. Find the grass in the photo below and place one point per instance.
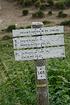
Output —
(17, 79)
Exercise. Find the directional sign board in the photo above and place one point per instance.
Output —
(43, 53)
(38, 31)
(41, 43)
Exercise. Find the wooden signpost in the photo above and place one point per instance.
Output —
(39, 43)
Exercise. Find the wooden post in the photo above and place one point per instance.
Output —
(41, 76)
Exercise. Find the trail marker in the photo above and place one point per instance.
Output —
(39, 43)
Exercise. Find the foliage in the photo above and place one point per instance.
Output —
(17, 79)
(26, 3)
(65, 23)
(6, 37)
(61, 14)
(67, 3)
(59, 5)
(25, 12)
(37, 3)
(10, 28)
(45, 22)
(50, 2)
(43, 6)
(50, 13)
(38, 14)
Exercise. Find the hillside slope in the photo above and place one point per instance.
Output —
(11, 13)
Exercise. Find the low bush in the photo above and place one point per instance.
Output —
(59, 5)
(10, 28)
(43, 1)
(50, 2)
(25, 12)
(67, 3)
(46, 22)
(43, 6)
(6, 37)
(37, 4)
(38, 14)
(65, 23)
(50, 12)
(27, 3)
(61, 14)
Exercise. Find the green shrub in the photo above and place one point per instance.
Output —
(65, 23)
(38, 14)
(25, 12)
(59, 5)
(6, 37)
(46, 22)
(67, 3)
(43, 1)
(61, 14)
(50, 2)
(27, 3)
(43, 6)
(29, 26)
(37, 3)
(10, 28)
(50, 13)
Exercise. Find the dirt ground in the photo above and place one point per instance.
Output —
(11, 13)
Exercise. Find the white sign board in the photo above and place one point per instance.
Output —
(41, 73)
(39, 41)
(43, 53)
(38, 31)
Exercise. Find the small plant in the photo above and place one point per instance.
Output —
(6, 37)
(67, 3)
(61, 14)
(29, 26)
(50, 12)
(25, 12)
(46, 22)
(59, 5)
(50, 2)
(65, 23)
(38, 14)
(43, 6)
(37, 3)
(10, 28)
(27, 3)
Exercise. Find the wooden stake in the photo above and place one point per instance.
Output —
(41, 76)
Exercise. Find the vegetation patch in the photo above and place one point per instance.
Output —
(59, 5)
(50, 13)
(43, 6)
(65, 23)
(38, 14)
(17, 79)
(25, 12)
(37, 3)
(45, 22)
(10, 28)
(61, 14)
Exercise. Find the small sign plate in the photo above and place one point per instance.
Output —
(41, 73)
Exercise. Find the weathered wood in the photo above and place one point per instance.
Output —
(39, 41)
(38, 31)
(42, 53)
(42, 85)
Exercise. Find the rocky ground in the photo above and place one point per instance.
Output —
(11, 13)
